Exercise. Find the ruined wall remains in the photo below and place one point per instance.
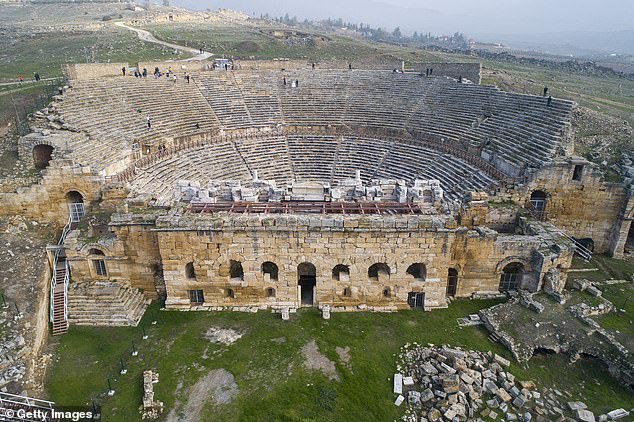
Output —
(85, 71)
(623, 226)
(210, 243)
(47, 201)
(130, 254)
(470, 71)
(588, 207)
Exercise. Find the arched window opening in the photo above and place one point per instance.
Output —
(418, 271)
(190, 273)
(270, 271)
(270, 292)
(95, 251)
(378, 272)
(387, 293)
(511, 277)
(230, 294)
(42, 155)
(235, 270)
(341, 273)
(347, 292)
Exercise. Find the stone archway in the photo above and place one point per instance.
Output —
(42, 155)
(75, 201)
(511, 277)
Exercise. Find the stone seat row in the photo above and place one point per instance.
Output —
(517, 128)
(325, 159)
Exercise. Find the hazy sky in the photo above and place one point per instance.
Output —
(445, 16)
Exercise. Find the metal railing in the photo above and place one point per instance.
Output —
(14, 403)
(60, 245)
(540, 214)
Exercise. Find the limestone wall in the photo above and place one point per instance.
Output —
(130, 254)
(470, 71)
(46, 201)
(358, 242)
(85, 71)
(588, 207)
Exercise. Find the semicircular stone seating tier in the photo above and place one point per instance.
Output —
(512, 131)
(303, 158)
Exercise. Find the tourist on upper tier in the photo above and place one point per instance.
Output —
(460, 79)
(187, 77)
(349, 66)
(136, 74)
(297, 83)
(550, 100)
(284, 80)
(157, 72)
(148, 121)
(174, 78)
(545, 91)
(313, 65)
(37, 77)
(226, 66)
(123, 70)
(144, 72)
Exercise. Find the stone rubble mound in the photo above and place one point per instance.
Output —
(441, 383)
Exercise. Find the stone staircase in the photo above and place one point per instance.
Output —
(60, 323)
(105, 304)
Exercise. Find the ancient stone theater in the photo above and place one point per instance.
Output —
(279, 185)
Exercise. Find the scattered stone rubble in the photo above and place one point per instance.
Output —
(152, 409)
(442, 383)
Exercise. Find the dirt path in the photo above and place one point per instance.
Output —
(218, 387)
(147, 36)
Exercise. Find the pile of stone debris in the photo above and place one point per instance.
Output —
(12, 348)
(441, 383)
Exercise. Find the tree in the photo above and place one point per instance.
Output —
(397, 33)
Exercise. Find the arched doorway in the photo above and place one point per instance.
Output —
(75, 202)
(452, 282)
(511, 277)
(538, 203)
(42, 155)
(306, 280)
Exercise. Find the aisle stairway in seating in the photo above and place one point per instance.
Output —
(105, 303)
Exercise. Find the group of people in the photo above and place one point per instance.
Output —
(157, 74)
(294, 84)
(36, 78)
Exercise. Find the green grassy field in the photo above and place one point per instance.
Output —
(45, 53)
(267, 363)
(247, 41)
